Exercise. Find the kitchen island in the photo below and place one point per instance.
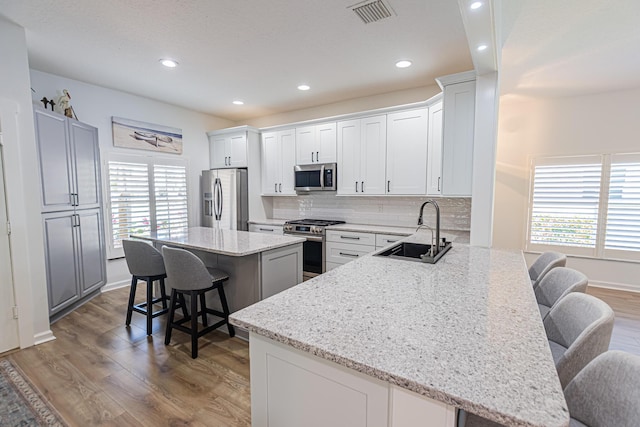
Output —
(259, 265)
(387, 342)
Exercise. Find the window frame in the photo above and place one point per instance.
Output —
(599, 251)
(150, 161)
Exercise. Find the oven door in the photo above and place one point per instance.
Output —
(312, 255)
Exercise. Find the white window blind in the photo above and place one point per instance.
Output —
(145, 194)
(130, 202)
(565, 204)
(623, 214)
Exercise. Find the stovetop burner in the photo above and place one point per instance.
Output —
(316, 222)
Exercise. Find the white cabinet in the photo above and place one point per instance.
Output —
(361, 156)
(266, 229)
(228, 147)
(434, 155)
(383, 240)
(407, 152)
(316, 144)
(458, 128)
(278, 160)
(344, 246)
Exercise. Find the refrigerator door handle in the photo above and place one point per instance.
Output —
(217, 198)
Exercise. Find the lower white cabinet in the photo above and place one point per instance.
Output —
(281, 269)
(344, 246)
(74, 248)
(383, 240)
(266, 229)
(291, 388)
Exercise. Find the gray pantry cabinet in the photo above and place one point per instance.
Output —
(69, 160)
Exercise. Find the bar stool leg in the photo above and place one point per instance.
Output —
(203, 307)
(194, 324)
(172, 310)
(163, 294)
(225, 310)
(149, 304)
(183, 305)
(132, 298)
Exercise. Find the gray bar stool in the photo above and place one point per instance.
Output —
(188, 275)
(545, 263)
(145, 263)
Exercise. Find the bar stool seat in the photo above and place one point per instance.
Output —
(145, 263)
(188, 275)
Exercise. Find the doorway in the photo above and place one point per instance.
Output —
(8, 321)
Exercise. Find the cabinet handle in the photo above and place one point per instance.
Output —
(350, 237)
(356, 186)
(348, 254)
(266, 229)
(438, 183)
(388, 186)
(317, 156)
(77, 200)
(280, 187)
(362, 186)
(275, 187)
(312, 157)
(390, 241)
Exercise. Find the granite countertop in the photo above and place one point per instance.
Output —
(223, 242)
(465, 331)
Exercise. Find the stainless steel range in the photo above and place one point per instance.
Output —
(314, 247)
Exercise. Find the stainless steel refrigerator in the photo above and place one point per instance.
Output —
(225, 199)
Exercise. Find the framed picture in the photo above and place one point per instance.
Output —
(146, 136)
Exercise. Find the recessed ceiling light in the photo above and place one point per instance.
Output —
(475, 5)
(482, 47)
(304, 87)
(170, 63)
(403, 64)
(238, 102)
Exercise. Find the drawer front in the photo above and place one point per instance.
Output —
(266, 229)
(383, 240)
(342, 253)
(351, 237)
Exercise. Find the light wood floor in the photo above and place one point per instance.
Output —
(97, 372)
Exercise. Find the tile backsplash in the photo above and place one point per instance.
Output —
(455, 213)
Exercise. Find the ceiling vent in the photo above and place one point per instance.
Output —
(372, 11)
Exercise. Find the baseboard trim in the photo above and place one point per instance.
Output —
(116, 285)
(615, 286)
(43, 337)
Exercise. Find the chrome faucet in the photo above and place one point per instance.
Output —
(434, 248)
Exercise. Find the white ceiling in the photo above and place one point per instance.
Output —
(256, 51)
(570, 47)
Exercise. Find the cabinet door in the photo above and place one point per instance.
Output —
(457, 150)
(434, 156)
(287, 140)
(86, 158)
(217, 152)
(236, 148)
(306, 145)
(349, 157)
(373, 155)
(56, 174)
(91, 250)
(326, 143)
(61, 260)
(270, 163)
(407, 152)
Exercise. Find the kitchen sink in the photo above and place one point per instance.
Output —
(416, 252)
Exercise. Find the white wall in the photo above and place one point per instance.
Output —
(535, 127)
(27, 246)
(96, 105)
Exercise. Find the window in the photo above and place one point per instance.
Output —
(586, 205)
(145, 194)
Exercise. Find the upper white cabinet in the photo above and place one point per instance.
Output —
(361, 156)
(278, 160)
(407, 152)
(316, 144)
(458, 128)
(434, 146)
(228, 147)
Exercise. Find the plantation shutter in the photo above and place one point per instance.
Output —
(129, 201)
(623, 213)
(170, 185)
(565, 202)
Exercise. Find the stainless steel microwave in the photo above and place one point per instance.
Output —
(317, 177)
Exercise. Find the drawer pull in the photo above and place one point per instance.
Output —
(266, 229)
(391, 241)
(350, 237)
(351, 255)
